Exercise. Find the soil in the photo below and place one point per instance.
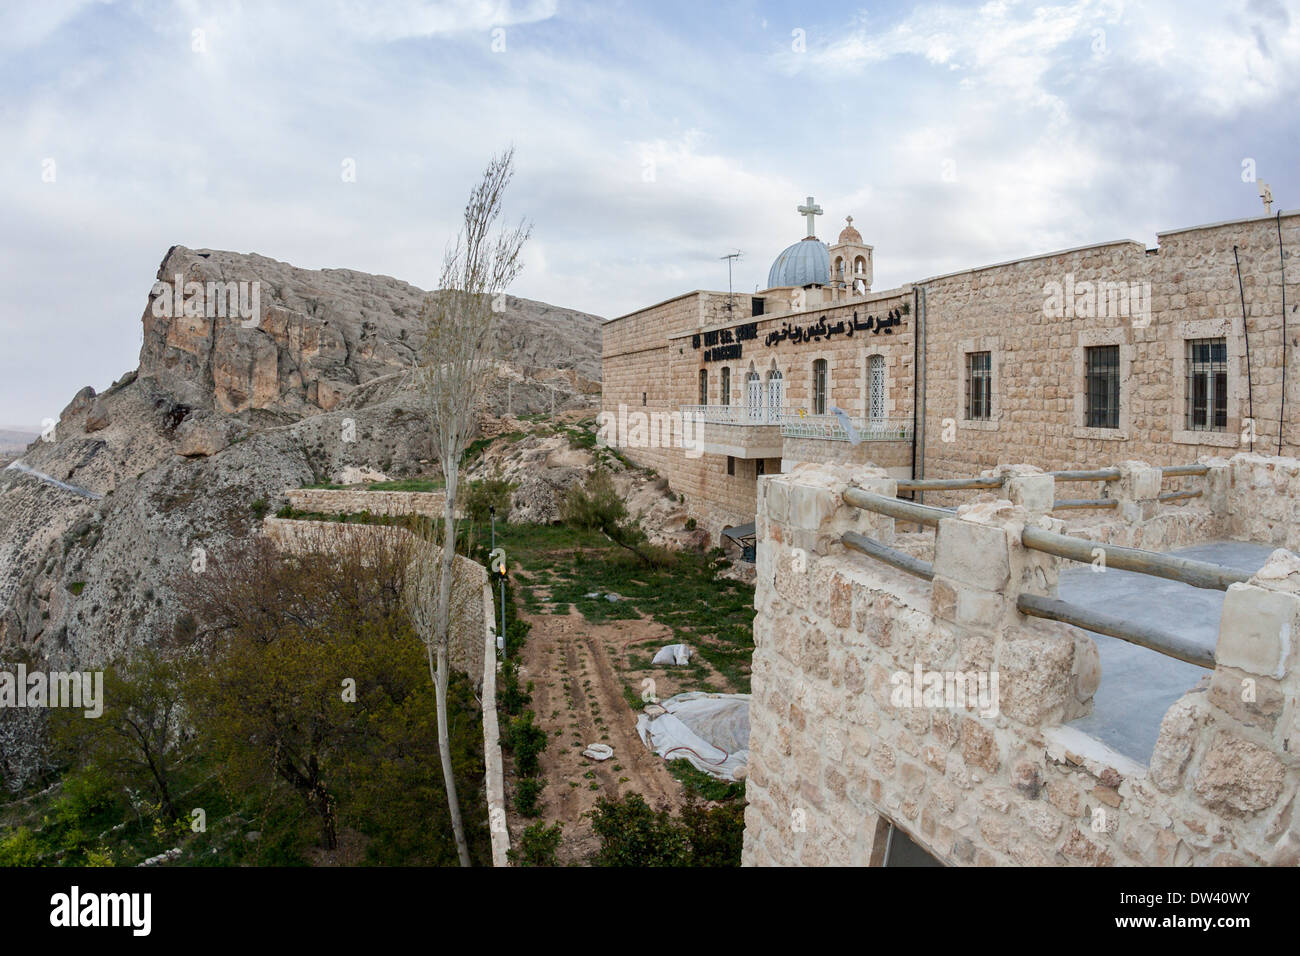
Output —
(578, 693)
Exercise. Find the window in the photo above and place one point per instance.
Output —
(704, 386)
(756, 306)
(1207, 385)
(819, 387)
(876, 387)
(979, 390)
(758, 467)
(731, 465)
(726, 386)
(1102, 386)
(643, 398)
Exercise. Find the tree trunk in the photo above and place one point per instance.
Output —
(441, 640)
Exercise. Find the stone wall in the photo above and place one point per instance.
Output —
(330, 501)
(840, 746)
(1037, 359)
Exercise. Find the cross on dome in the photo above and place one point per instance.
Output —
(811, 209)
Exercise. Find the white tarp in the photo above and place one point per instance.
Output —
(673, 654)
(709, 730)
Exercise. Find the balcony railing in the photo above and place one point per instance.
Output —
(738, 414)
(831, 428)
(797, 423)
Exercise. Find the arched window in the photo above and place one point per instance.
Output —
(704, 386)
(726, 386)
(876, 386)
(859, 265)
(820, 385)
(839, 265)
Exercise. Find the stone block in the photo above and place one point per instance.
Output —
(1034, 493)
(1257, 630)
(973, 554)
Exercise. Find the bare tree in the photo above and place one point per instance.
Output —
(459, 354)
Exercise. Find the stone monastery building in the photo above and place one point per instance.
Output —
(1099, 354)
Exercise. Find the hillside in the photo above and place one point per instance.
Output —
(187, 452)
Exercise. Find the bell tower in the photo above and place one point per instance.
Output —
(851, 262)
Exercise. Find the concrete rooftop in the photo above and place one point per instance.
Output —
(1138, 685)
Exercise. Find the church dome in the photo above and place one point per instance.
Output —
(849, 234)
(806, 262)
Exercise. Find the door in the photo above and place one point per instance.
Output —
(755, 397)
(775, 395)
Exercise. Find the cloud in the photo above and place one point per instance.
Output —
(955, 135)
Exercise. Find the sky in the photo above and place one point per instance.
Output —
(651, 139)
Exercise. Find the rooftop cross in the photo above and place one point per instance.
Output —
(810, 210)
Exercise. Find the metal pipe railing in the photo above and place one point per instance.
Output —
(891, 556)
(1062, 503)
(1096, 474)
(1164, 642)
(1199, 574)
(898, 508)
(947, 484)
(1187, 471)
(1178, 495)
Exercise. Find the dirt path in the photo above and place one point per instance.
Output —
(578, 698)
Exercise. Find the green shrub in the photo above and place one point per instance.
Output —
(19, 848)
(526, 741)
(481, 496)
(537, 846)
(631, 833)
(527, 792)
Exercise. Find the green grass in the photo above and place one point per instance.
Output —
(700, 784)
(712, 614)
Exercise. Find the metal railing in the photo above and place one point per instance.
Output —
(831, 428)
(1200, 574)
(737, 414)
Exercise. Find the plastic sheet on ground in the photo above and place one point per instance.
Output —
(711, 731)
(675, 654)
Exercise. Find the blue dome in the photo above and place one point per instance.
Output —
(808, 261)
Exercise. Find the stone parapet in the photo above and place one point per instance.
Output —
(880, 698)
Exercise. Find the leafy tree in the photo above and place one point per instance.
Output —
(141, 735)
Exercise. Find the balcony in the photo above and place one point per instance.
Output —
(831, 428)
(738, 414)
(741, 431)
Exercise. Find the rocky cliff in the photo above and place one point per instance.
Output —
(228, 408)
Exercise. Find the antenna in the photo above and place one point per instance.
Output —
(730, 257)
(1266, 197)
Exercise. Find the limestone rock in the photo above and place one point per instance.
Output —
(1238, 775)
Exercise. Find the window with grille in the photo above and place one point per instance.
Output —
(1102, 386)
(1207, 385)
(726, 386)
(876, 387)
(704, 386)
(979, 386)
(819, 387)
